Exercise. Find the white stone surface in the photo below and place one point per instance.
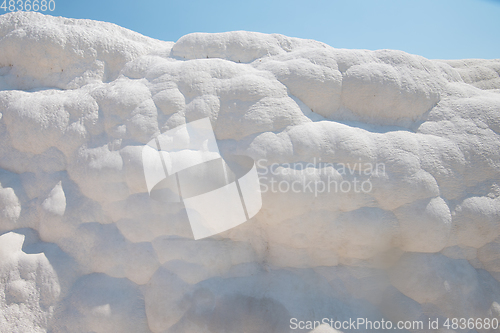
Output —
(29, 290)
(84, 248)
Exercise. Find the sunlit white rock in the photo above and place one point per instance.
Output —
(79, 99)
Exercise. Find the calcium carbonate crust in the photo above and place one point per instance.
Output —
(84, 249)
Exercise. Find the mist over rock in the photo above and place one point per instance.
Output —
(379, 171)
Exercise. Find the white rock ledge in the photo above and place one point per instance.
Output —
(83, 248)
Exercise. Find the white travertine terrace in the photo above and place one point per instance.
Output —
(83, 248)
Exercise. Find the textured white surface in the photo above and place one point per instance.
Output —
(78, 101)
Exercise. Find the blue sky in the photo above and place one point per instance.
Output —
(436, 29)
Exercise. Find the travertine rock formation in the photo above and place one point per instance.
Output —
(380, 173)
